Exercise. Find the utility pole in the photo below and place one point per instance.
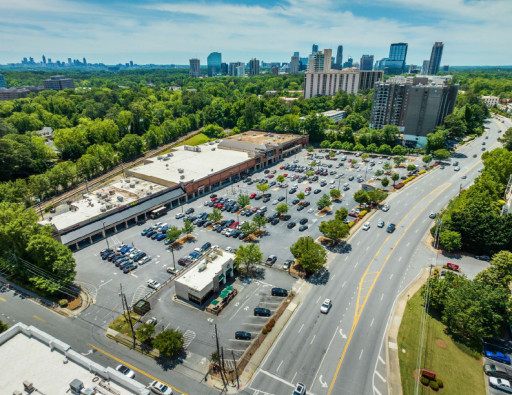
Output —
(219, 356)
(223, 366)
(236, 370)
(127, 309)
(106, 237)
(173, 260)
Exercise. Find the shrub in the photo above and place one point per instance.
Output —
(399, 185)
(433, 384)
(63, 303)
(265, 331)
(363, 213)
(422, 171)
(351, 224)
(424, 381)
(440, 383)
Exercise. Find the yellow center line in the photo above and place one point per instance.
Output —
(359, 310)
(135, 368)
(3, 300)
(38, 318)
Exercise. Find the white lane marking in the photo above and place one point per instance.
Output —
(278, 378)
(334, 275)
(360, 355)
(382, 297)
(105, 283)
(382, 360)
(390, 277)
(399, 259)
(318, 300)
(372, 322)
(312, 340)
(277, 370)
(367, 248)
(302, 326)
(328, 348)
(375, 390)
(380, 376)
(293, 378)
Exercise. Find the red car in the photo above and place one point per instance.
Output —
(234, 225)
(270, 176)
(452, 266)
(285, 175)
(253, 195)
(254, 209)
(282, 167)
(214, 199)
(308, 189)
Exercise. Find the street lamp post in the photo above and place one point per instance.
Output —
(173, 260)
(106, 237)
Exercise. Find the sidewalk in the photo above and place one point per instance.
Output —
(392, 351)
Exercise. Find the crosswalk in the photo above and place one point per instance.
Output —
(188, 336)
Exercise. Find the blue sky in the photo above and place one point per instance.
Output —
(475, 32)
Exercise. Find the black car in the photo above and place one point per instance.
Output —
(150, 233)
(300, 208)
(280, 198)
(295, 201)
(391, 228)
(483, 257)
(189, 211)
(286, 217)
(275, 221)
(303, 221)
(317, 191)
(305, 204)
(259, 311)
(206, 246)
(241, 236)
(207, 223)
(266, 200)
(323, 184)
(213, 195)
(241, 335)
(279, 292)
(291, 225)
(303, 228)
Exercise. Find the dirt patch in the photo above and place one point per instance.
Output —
(441, 343)
(183, 240)
(75, 303)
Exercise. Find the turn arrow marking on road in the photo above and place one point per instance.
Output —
(322, 383)
(342, 335)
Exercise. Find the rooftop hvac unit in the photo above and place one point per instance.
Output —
(109, 206)
(182, 177)
(180, 171)
(137, 181)
(132, 185)
(98, 194)
(151, 187)
(239, 139)
(167, 158)
(254, 134)
(127, 180)
(103, 209)
(28, 386)
(169, 154)
(213, 148)
(111, 192)
(120, 198)
(148, 193)
(202, 267)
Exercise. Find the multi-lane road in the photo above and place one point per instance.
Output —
(343, 352)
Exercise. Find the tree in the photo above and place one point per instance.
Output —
(301, 196)
(310, 149)
(377, 195)
(216, 215)
(3, 327)
(385, 182)
(355, 121)
(399, 160)
(169, 343)
(411, 167)
(335, 194)
(341, 214)
(308, 254)
(260, 221)
(247, 227)
(426, 159)
(499, 273)
(280, 178)
(436, 141)
(506, 139)
(441, 154)
(324, 201)
(353, 161)
(364, 157)
(450, 240)
(395, 177)
(325, 144)
(455, 125)
(315, 126)
(263, 187)
(361, 196)
(130, 146)
(188, 228)
(173, 233)
(282, 208)
(336, 145)
(387, 166)
(243, 200)
(145, 332)
(378, 173)
(310, 173)
(334, 229)
(313, 164)
(248, 256)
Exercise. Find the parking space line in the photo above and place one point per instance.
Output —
(302, 326)
(312, 340)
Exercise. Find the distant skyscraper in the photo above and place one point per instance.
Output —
(348, 63)
(236, 69)
(296, 54)
(294, 64)
(446, 67)
(58, 83)
(131, 63)
(320, 61)
(366, 62)
(69, 61)
(214, 62)
(275, 70)
(339, 57)
(44, 59)
(397, 56)
(84, 61)
(3, 84)
(195, 68)
(435, 58)
(314, 49)
(424, 67)
(254, 67)
(224, 68)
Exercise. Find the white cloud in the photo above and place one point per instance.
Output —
(172, 32)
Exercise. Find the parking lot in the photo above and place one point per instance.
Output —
(104, 280)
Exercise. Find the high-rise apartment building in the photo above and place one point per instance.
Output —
(349, 63)
(424, 67)
(254, 67)
(415, 104)
(339, 58)
(275, 70)
(366, 62)
(195, 68)
(320, 61)
(398, 53)
(327, 83)
(293, 67)
(84, 61)
(236, 69)
(314, 49)
(58, 83)
(435, 58)
(214, 62)
(3, 84)
(44, 59)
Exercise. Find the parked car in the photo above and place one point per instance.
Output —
(501, 384)
(153, 284)
(144, 260)
(126, 371)
(279, 292)
(271, 260)
(303, 221)
(129, 268)
(261, 312)
(287, 264)
(241, 335)
(300, 389)
(497, 371)
(291, 225)
(159, 388)
(497, 356)
(303, 228)
(179, 215)
(453, 266)
(385, 208)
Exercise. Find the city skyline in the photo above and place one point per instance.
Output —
(161, 33)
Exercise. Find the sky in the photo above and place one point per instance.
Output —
(475, 32)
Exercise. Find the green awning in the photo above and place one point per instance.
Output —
(221, 277)
(215, 302)
(224, 293)
(229, 287)
(228, 271)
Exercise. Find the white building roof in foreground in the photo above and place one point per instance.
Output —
(32, 356)
(201, 275)
(186, 165)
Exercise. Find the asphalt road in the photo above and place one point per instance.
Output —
(342, 352)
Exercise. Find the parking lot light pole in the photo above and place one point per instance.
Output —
(106, 237)
(173, 260)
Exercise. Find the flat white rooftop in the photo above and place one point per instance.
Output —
(198, 279)
(185, 166)
(27, 356)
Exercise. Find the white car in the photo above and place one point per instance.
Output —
(501, 384)
(179, 215)
(144, 260)
(326, 306)
(366, 226)
(275, 202)
(456, 169)
(159, 388)
(229, 249)
(332, 182)
(153, 284)
(432, 215)
(307, 193)
(126, 371)
(385, 208)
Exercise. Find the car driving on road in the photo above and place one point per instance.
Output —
(326, 306)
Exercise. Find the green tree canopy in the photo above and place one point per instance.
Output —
(334, 229)
(248, 256)
(311, 256)
(169, 343)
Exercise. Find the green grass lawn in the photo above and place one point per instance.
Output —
(197, 139)
(122, 325)
(460, 372)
